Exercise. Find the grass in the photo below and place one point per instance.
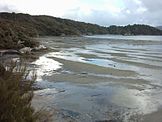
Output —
(16, 93)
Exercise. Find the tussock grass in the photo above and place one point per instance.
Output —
(16, 93)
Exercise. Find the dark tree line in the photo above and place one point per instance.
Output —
(48, 25)
(135, 29)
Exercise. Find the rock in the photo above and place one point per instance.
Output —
(63, 34)
(20, 42)
(25, 50)
(84, 73)
(9, 51)
(107, 121)
(40, 47)
(95, 95)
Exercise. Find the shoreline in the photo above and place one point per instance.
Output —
(75, 73)
(153, 117)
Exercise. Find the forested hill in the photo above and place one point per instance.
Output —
(47, 25)
(51, 26)
(135, 29)
(159, 27)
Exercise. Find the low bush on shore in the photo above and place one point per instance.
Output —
(13, 36)
(16, 93)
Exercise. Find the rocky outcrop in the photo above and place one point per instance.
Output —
(10, 51)
(40, 47)
(25, 50)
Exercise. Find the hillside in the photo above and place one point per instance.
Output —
(18, 27)
(135, 29)
(47, 25)
(159, 27)
(14, 36)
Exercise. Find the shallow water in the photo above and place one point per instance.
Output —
(98, 78)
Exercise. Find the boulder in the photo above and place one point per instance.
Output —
(25, 50)
(8, 52)
(40, 47)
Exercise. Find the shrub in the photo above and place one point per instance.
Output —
(13, 36)
(16, 93)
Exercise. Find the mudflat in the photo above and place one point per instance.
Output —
(100, 78)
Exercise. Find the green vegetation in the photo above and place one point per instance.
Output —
(18, 27)
(42, 25)
(135, 29)
(13, 36)
(46, 25)
(15, 95)
(159, 27)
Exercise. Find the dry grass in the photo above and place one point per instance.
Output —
(16, 93)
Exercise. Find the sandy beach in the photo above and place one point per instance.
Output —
(153, 117)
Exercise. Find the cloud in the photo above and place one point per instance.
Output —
(153, 14)
(120, 12)
(6, 8)
(103, 12)
(48, 7)
(152, 5)
(127, 12)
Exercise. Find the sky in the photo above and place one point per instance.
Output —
(102, 12)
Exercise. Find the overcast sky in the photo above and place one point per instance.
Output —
(103, 12)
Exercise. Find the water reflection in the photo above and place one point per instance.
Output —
(90, 96)
(46, 66)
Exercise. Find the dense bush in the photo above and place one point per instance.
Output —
(13, 36)
(135, 29)
(51, 26)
